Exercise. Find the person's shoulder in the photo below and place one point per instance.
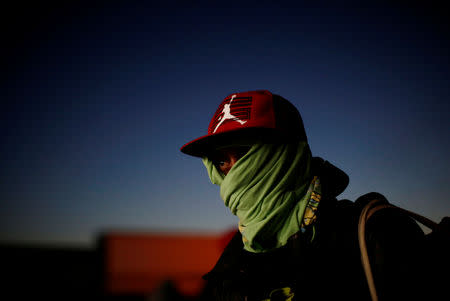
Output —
(389, 225)
(229, 260)
(389, 221)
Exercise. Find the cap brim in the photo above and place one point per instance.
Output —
(204, 145)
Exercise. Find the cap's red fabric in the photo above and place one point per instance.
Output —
(242, 112)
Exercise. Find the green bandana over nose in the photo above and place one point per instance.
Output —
(268, 189)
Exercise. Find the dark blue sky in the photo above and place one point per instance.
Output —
(100, 97)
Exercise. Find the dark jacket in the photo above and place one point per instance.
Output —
(328, 267)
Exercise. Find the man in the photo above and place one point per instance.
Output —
(295, 240)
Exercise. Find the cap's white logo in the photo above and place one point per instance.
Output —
(227, 114)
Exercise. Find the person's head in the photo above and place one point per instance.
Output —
(243, 119)
(256, 150)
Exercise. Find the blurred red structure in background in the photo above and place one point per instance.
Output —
(139, 263)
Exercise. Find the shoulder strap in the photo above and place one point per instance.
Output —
(368, 210)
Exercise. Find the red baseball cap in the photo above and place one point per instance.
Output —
(247, 117)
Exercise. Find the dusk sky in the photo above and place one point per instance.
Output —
(97, 100)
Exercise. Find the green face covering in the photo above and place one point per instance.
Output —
(269, 190)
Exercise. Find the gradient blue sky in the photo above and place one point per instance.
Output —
(100, 97)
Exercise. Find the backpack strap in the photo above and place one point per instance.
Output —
(368, 210)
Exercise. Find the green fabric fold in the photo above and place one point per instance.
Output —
(268, 189)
